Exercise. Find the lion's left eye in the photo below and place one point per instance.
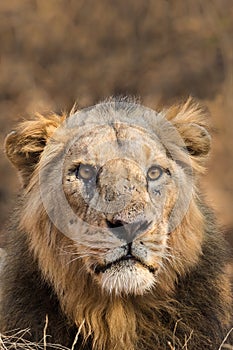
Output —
(154, 173)
(85, 172)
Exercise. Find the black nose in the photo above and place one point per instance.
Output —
(127, 231)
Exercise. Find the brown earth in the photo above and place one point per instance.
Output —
(55, 53)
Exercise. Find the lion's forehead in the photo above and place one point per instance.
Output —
(118, 140)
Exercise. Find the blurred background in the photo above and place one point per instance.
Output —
(54, 53)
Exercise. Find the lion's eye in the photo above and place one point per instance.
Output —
(154, 173)
(85, 172)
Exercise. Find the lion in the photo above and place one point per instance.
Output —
(111, 245)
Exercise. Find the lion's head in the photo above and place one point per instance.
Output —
(110, 198)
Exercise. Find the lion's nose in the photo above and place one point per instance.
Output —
(127, 231)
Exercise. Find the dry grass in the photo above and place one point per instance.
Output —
(173, 346)
(15, 340)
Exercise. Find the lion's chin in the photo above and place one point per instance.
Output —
(126, 278)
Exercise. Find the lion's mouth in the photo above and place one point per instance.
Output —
(132, 260)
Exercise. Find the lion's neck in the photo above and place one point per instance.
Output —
(109, 321)
(112, 322)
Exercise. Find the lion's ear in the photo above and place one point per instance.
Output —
(192, 122)
(24, 145)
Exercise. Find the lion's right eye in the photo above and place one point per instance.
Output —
(154, 173)
(85, 172)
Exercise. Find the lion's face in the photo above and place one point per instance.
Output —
(115, 181)
(122, 187)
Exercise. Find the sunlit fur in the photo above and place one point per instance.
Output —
(129, 309)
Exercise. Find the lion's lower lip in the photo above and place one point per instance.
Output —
(102, 268)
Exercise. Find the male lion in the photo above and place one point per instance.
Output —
(111, 243)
